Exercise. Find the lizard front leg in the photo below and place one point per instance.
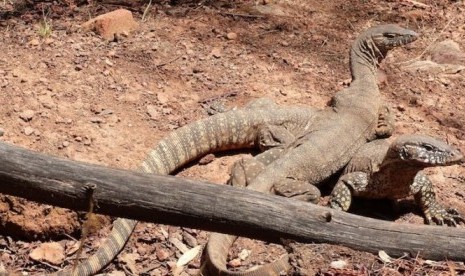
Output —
(386, 124)
(422, 190)
(347, 186)
(246, 170)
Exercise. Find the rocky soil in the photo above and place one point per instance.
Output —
(70, 93)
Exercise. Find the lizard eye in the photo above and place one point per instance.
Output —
(428, 147)
(389, 35)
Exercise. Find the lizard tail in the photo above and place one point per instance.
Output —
(217, 252)
(223, 131)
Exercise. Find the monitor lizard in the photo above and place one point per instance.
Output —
(328, 145)
(353, 114)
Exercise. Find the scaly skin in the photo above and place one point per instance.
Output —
(358, 105)
(243, 128)
(335, 135)
(393, 171)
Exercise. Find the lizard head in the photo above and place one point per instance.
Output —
(387, 37)
(425, 151)
(375, 42)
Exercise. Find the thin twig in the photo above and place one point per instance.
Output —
(168, 62)
(248, 15)
(222, 96)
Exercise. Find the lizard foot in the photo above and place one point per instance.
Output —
(436, 214)
(296, 189)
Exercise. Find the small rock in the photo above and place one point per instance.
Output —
(231, 36)
(235, 262)
(401, 107)
(244, 254)
(34, 42)
(152, 111)
(87, 142)
(96, 120)
(162, 98)
(207, 159)
(162, 254)
(49, 41)
(341, 264)
(447, 52)
(109, 62)
(27, 115)
(46, 101)
(2, 131)
(216, 52)
(28, 130)
(65, 144)
(111, 25)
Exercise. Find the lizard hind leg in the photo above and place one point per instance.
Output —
(271, 136)
(297, 189)
(246, 169)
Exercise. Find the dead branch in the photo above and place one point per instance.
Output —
(220, 208)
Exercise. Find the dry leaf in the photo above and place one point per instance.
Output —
(179, 245)
(50, 252)
(130, 260)
(385, 258)
(188, 256)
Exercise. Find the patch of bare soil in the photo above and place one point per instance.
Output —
(71, 94)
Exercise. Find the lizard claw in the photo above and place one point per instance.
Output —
(438, 215)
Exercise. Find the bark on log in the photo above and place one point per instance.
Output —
(220, 208)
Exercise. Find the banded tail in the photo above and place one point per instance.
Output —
(230, 130)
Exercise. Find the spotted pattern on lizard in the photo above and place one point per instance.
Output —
(383, 170)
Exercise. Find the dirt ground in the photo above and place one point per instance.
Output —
(72, 94)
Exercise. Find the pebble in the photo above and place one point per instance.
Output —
(27, 115)
(244, 254)
(34, 42)
(235, 262)
(49, 41)
(46, 101)
(162, 98)
(2, 131)
(162, 254)
(65, 144)
(207, 159)
(152, 111)
(231, 36)
(338, 264)
(96, 120)
(216, 52)
(28, 130)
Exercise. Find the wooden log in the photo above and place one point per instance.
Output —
(220, 208)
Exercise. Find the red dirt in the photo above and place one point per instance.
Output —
(90, 101)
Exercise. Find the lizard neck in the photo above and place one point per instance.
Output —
(363, 93)
(364, 59)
